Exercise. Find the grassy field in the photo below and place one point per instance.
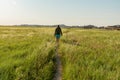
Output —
(27, 53)
(90, 55)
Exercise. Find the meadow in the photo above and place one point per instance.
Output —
(91, 54)
(27, 53)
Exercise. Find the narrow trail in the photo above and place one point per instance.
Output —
(58, 74)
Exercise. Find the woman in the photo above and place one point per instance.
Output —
(58, 33)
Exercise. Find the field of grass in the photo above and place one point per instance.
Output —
(27, 53)
(90, 55)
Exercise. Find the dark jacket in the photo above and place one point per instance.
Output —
(58, 31)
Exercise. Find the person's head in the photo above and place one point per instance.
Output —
(58, 26)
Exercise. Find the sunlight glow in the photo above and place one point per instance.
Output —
(14, 2)
(69, 12)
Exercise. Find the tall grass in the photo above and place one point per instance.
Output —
(90, 55)
(26, 54)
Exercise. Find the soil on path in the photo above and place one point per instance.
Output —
(58, 74)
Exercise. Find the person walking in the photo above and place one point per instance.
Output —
(58, 33)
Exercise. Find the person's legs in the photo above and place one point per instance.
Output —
(57, 40)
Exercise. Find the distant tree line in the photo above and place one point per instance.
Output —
(114, 27)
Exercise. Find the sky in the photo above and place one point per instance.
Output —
(52, 12)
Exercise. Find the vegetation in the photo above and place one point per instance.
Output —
(90, 54)
(27, 53)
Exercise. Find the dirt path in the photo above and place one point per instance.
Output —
(58, 74)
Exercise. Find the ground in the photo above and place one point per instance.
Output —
(85, 54)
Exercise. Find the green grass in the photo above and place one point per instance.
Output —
(91, 55)
(27, 53)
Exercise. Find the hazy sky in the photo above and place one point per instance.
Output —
(69, 12)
